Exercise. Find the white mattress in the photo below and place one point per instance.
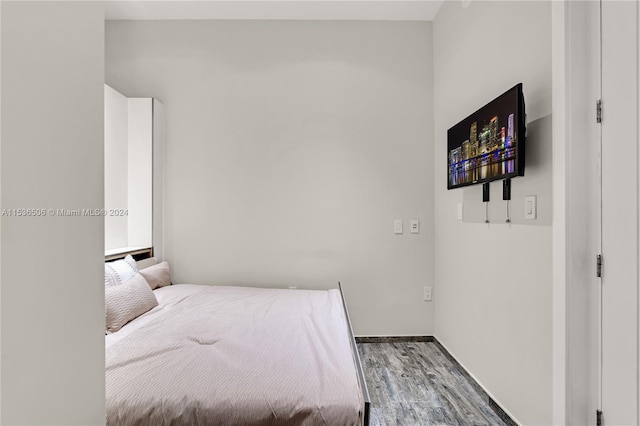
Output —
(234, 356)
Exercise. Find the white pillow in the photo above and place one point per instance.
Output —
(116, 273)
(128, 301)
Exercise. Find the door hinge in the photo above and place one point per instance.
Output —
(599, 266)
(599, 111)
(598, 417)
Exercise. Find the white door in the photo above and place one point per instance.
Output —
(620, 179)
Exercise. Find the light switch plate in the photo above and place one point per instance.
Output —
(427, 294)
(415, 226)
(530, 207)
(397, 226)
(459, 212)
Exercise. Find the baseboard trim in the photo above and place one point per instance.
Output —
(393, 339)
(486, 396)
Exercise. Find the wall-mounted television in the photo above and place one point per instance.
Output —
(489, 144)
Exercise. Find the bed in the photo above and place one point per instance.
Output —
(221, 355)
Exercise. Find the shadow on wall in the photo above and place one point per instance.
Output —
(536, 181)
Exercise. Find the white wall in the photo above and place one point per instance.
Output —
(52, 267)
(493, 282)
(291, 147)
(116, 125)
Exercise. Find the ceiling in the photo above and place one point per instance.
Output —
(377, 10)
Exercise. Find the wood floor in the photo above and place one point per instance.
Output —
(415, 383)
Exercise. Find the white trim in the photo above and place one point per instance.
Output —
(559, 37)
(0, 208)
(638, 208)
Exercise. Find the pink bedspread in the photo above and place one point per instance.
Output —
(212, 355)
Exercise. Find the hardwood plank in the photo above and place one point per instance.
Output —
(419, 383)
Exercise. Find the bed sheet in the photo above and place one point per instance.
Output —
(234, 356)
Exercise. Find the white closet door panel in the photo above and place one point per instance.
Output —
(620, 213)
(140, 172)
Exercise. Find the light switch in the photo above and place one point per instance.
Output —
(530, 207)
(415, 226)
(397, 226)
(459, 213)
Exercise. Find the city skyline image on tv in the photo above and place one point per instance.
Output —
(489, 144)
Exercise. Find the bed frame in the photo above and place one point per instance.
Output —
(356, 356)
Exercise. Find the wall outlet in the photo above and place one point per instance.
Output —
(427, 294)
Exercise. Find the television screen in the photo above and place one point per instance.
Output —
(489, 144)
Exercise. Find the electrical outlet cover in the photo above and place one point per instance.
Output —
(427, 294)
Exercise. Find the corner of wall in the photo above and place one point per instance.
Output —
(493, 279)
